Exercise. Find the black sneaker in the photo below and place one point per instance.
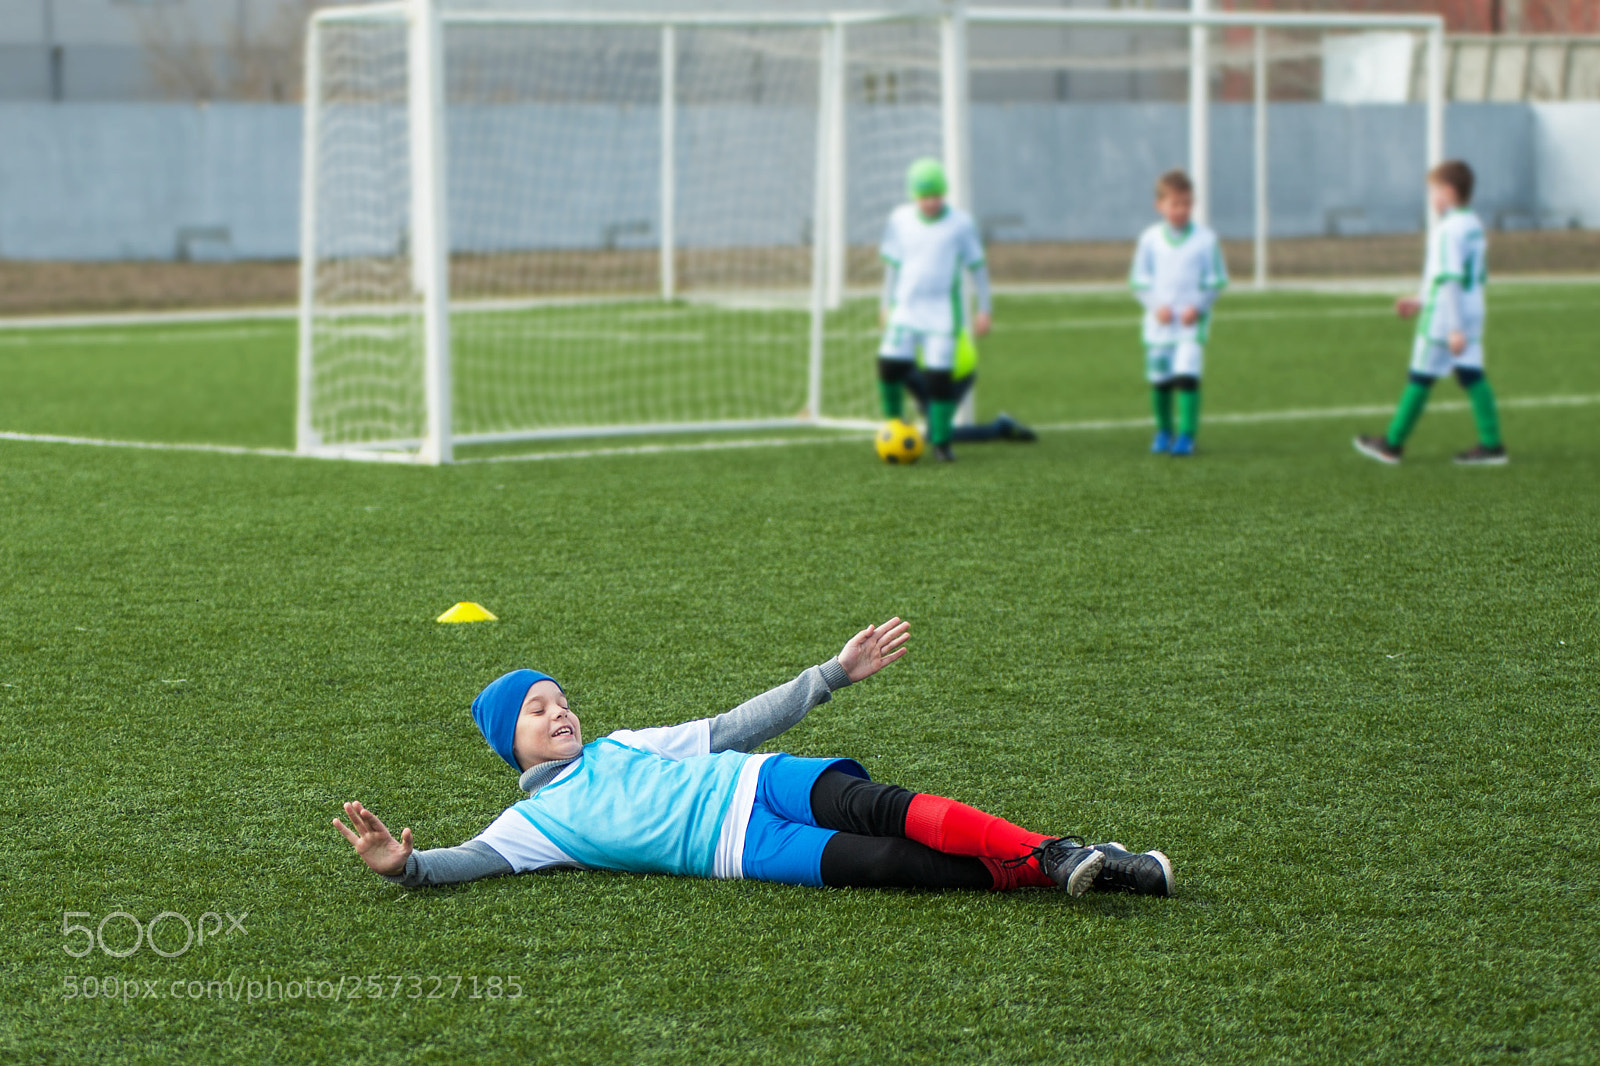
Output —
(1011, 429)
(1147, 874)
(1066, 862)
(1478, 455)
(943, 454)
(1377, 448)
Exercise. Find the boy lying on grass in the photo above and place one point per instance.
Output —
(689, 799)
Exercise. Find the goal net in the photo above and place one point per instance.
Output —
(520, 224)
(650, 228)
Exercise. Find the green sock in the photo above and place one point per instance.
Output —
(892, 398)
(1412, 401)
(1484, 413)
(1161, 404)
(941, 417)
(1188, 412)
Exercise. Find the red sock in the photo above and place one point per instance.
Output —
(1022, 875)
(956, 829)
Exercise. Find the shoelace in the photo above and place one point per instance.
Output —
(1038, 852)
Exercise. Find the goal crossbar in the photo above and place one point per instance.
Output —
(732, 19)
(1309, 20)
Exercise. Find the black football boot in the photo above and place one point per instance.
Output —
(1066, 862)
(1146, 874)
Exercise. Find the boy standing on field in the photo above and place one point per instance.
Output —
(928, 246)
(1450, 327)
(1177, 275)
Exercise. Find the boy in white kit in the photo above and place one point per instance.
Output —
(928, 247)
(1450, 314)
(1177, 275)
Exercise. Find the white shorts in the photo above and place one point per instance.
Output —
(902, 342)
(1433, 357)
(1163, 362)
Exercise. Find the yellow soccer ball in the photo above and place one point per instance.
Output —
(898, 441)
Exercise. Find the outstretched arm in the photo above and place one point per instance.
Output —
(770, 714)
(396, 861)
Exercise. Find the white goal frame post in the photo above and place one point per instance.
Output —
(425, 21)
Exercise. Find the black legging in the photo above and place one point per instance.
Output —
(870, 849)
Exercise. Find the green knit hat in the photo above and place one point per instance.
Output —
(925, 177)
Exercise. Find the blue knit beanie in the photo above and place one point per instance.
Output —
(497, 707)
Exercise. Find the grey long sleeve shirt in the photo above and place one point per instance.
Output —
(744, 728)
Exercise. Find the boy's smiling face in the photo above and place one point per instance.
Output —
(547, 730)
(1176, 207)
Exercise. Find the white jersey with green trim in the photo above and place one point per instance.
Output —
(1177, 269)
(927, 258)
(1453, 278)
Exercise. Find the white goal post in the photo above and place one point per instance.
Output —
(521, 224)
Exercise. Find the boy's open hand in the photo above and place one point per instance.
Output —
(1188, 316)
(1164, 315)
(1407, 306)
(982, 322)
(373, 842)
(871, 650)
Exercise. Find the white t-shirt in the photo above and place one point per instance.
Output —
(1177, 270)
(1453, 278)
(929, 257)
(515, 839)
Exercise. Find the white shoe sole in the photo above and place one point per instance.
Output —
(1166, 869)
(1373, 453)
(1499, 460)
(1083, 876)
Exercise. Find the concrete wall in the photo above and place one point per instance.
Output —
(1566, 161)
(123, 181)
(156, 181)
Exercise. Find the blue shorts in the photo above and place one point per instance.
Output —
(783, 842)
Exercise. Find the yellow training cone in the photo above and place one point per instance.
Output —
(466, 612)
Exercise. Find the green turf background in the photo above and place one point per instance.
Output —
(1357, 705)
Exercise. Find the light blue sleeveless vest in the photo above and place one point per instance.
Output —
(632, 810)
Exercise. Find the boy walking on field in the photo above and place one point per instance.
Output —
(1177, 275)
(928, 248)
(1450, 316)
(691, 799)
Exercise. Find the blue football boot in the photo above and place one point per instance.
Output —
(1162, 444)
(1182, 445)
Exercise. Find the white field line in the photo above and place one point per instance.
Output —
(101, 338)
(657, 449)
(1395, 285)
(98, 442)
(1226, 316)
(1307, 414)
(73, 332)
(147, 318)
(72, 338)
(1242, 417)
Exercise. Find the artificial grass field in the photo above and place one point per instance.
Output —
(1356, 705)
